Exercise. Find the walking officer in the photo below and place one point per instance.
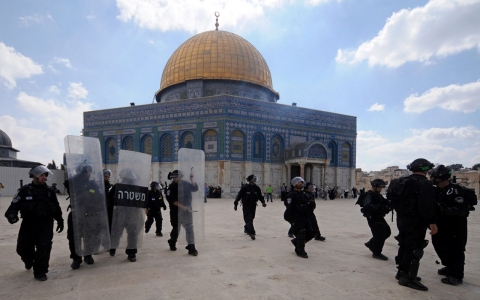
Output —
(38, 206)
(415, 212)
(250, 193)
(375, 207)
(154, 204)
(455, 203)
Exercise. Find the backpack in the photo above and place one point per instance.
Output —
(401, 194)
(361, 199)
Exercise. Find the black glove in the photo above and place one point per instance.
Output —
(12, 219)
(59, 227)
(235, 206)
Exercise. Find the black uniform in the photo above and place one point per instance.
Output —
(299, 214)
(38, 206)
(412, 222)
(313, 218)
(91, 203)
(154, 204)
(249, 194)
(451, 239)
(185, 219)
(375, 207)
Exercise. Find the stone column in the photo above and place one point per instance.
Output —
(289, 174)
(302, 170)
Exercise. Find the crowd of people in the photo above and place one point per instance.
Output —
(426, 199)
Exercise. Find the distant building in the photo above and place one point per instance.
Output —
(8, 154)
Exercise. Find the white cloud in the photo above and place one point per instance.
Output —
(438, 29)
(459, 98)
(77, 91)
(39, 135)
(13, 65)
(446, 145)
(377, 107)
(34, 19)
(197, 16)
(52, 68)
(63, 61)
(91, 16)
(54, 89)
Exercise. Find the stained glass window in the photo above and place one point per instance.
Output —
(166, 147)
(128, 144)
(147, 145)
(210, 142)
(111, 150)
(238, 144)
(257, 146)
(346, 153)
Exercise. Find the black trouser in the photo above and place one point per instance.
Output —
(284, 195)
(94, 240)
(157, 216)
(450, 242)
(380, 231)
(186, 222)
(304, 232)
(249, 210)
(411, 237)
(34, 243)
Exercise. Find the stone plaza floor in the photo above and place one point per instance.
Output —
(232, 266)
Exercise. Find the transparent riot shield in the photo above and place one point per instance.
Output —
(87, 195)
(191, 219)
(133, 177)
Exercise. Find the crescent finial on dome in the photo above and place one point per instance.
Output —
(217, 14)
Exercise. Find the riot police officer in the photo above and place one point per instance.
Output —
(184, 203)
(250, 193)
(416, 212)
(375, 207)
(299, 214)
(154, 204)
(451, 239)
(309, 193)
(38, 206)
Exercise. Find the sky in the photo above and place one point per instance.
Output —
(408, 70)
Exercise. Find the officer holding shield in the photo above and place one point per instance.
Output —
(181, 209)
(38, 206)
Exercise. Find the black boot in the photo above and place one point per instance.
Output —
(319, 237)
(411, 283)
(76, 264)
(191, 249)
(172, 245)
(88, 260)
(112, 252)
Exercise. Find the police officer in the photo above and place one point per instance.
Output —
(38, 206)
(89, 206)
(153, 206)
(451, 239)
(250, 193)
(310, 194)
(184, 203)
(375, 207)
(299, 214)
(413, 218)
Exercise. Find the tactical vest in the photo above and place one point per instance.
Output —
(35, 201)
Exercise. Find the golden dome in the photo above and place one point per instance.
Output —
(216, 55)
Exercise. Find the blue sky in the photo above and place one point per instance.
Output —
(408, 70)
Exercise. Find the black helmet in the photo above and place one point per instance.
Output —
(84, 168)
(441, 172)
(252, 177)
(107, 172)
(174, 174)
(155, 184)
(378, 182)
(420, 165)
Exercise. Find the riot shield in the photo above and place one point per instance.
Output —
(191, 220)
(87, 195)
(133, 177)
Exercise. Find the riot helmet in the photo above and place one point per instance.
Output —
(84, 168)
(107, 172)
(128, 176)
(378, 183)
(155, 184)
(39, 170)
(252, 178)
(296, 180)
(309, 187)
(441, 172)
(420, 165)
(174, 174)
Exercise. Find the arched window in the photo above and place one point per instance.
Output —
(210, 142)
(166, 147)
(238, 144)
(332, 147)
(110, 151)
(147, 145)
(128, 144)
(346, 148)
(257, 146)
(277, 148)
(188, 140)
(317, 151)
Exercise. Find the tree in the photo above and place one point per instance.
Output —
(455, 167)
(52, 165)
(475, 166)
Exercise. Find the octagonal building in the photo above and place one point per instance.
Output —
(216, 94)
